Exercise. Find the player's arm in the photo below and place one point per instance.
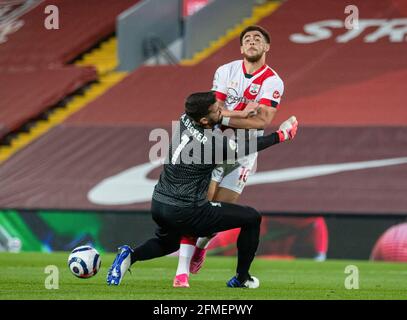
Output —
(269, 100)
(260, 120)
(233, 151)
(250, 110)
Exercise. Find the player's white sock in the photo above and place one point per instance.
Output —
(203, 243)
(185, 254)
(321, 256)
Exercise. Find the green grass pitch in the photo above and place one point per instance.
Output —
(22, 277)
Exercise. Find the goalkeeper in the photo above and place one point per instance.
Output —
(180, 206)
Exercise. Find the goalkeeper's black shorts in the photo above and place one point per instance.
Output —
(210, 218)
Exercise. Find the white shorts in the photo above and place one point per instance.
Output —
(234, 176)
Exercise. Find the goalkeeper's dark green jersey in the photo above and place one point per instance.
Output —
(193, 153)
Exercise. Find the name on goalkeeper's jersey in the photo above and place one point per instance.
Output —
(195, 133)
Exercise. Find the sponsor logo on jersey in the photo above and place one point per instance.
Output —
(276, 94)
(232, 97)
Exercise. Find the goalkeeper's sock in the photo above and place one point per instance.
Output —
(186, 250)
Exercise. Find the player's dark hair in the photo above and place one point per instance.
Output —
(197, 104)
(263, 31)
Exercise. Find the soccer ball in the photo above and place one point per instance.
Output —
(84, 262)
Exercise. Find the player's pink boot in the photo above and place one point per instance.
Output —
(197, 260)
(181, 281)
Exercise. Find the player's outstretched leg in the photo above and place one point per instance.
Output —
(119, 266)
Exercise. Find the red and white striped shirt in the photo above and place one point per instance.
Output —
(236, 88)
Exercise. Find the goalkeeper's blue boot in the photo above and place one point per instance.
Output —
(119, 266)
(251, 283)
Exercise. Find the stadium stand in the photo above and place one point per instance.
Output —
(27, 93)
(81, 26)
(33, 57)
(149, 95)
(33, 60)
(3, 130)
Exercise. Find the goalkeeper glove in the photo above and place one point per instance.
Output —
(288, 129)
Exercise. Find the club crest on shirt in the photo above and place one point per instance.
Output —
(254, 88)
